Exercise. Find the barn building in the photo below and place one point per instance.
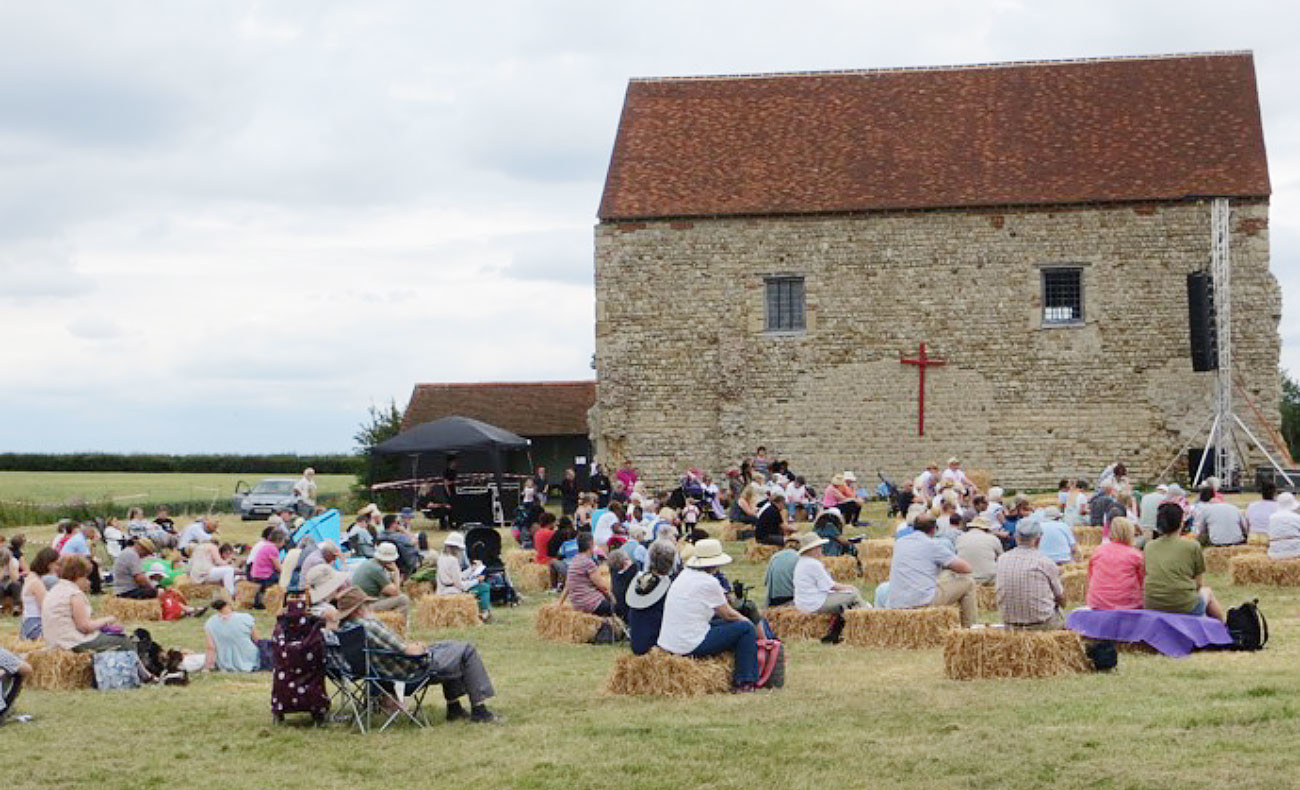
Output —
(772, 248)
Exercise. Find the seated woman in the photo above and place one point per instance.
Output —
(1116, 571)
(584, 591)
(11, 580)
(840, 494)
(830, 525)
(772, 524)
(698, 621)
(452, 579)
(40, 580)
(1175, 569)
(65, 616)
(745, 508)
(456, 665)
(645, 598)
(264, 565)
(1284, 529)
(232, 640)
(212, 565)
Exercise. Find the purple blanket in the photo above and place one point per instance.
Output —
(1171, 634)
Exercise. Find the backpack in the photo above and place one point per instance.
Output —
(1103, 655)
(771, 664)
(115, 670)
(1247, 626)
(611, 631)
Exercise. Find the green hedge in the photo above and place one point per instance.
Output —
(279, 463)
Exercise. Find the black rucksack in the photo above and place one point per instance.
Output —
(1247, 626)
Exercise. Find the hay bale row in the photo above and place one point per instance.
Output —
(193, 592)
(1075, 583)
(1087, 536)
(456, 610)
(978, 653)
(16, 644)
(60, 670)
(661, 674)
(532, 578)
(792, 625)
(842, 569)
(757, 552)
(1257, 568)
(907, 629)
(131, 610)
(417, 590)
(517, 559)
(987, 594)
(876, 548)
(558, 623)
(396, 621)
(1218, 558)
(875, 570)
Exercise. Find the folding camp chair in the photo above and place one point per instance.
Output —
(345, 668)
(414, 676)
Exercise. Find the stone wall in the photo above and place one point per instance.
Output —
(687, 374)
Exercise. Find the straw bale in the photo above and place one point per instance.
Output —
(792, 625)
(455, 610)
(1257, 539)
(273, 600)
(418, 590)
(196, 592)
(1085, 552)
(1087, 536)
(982, 478)
(842, 569)
(245, 593)
(1218, 557)
(909, 629)
(661, 674)
(16, 644)
(60, 670)
(970, 653)
(517, 559)
(1259, 569)
(130, 610)
(1075, 583)
(875, 570)
(396, 621)
(988, 597)
(564, 624)
(754, 552)
(876, 549)
(1044, 500)
(532, 578)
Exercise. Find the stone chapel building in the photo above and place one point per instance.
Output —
(771, 246)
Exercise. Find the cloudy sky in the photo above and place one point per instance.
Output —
(232, 226)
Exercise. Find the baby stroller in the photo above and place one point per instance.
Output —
(483, 544)
(899, 501)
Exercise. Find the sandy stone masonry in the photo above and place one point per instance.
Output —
(688, 375)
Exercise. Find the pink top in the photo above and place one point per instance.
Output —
(833, 496)
(627, 477)
(264, 561)
(1115, 576)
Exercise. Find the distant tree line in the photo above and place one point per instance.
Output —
(277, 463)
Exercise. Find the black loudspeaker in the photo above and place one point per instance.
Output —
(1200, 322)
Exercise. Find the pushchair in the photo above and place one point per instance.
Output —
(899, 501)
(483, 544)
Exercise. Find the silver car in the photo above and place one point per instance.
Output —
(268, 496)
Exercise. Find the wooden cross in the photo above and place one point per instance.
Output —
(922, 362)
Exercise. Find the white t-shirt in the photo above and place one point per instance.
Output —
(688, 608)
(305, 488)
(812, 583)
(796, 494)
(1258, 514)
(604, 528)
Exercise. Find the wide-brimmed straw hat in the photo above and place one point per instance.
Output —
(809, 541)
(708, 554)
(646, 590)
(323, 581)
(386, 552)
(351, 600)
(981, 522)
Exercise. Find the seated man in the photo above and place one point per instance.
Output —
(379, 578)
(914, 574)
(1219, 523)
(129, 579)
(455, 665)
(408, 553)
(981, 549)
(698, 620)
(816, 592)
(779, 579)
(1029, 588)
(193, 533)
(360, 540)
(1284, 529)
(13, 671)
(325, 554)
(770, 528)
(1175, 569)
(582, 588)
(1058, 541)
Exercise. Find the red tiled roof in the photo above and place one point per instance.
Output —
(1130, 129)
(536, 408)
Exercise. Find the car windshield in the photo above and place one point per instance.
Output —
(274, 487)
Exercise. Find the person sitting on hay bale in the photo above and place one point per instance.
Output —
(815, 592)
(1116, 570)
(779, 578)
(914, 574)
(379, 578)
(212, 565)
(698, 621)
(456, 665)
(772, 526)
(1058, 543)
(80, 542)
(542, 534)
(129, 578)
(42, 577)
(1219, 523)
(645, 598)
(453, 579)
(1175, 570)
(264, 565)
(1284, 529)
(980, 548)
(1259, 512)
(13, 672)
(201, 526)
(583, 588)
(1029, 591)
(232, 641)
(66, 622)
(325, 553)
(829, 525)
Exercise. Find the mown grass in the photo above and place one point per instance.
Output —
(847, 718)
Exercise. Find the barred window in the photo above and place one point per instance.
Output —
(1063, 295)
(785, 304)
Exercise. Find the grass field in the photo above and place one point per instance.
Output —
(139, 487)
(848, 718)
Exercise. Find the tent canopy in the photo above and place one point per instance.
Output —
(452, 435)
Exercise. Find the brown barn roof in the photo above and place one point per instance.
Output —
(535, 408)
(1153, 128)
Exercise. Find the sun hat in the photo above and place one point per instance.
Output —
(981, 522)
(1287, 501)
(708, 554)
(834, 511)
(646, 590)
(323, 581)
(849, 477)
(809, 541)
(351, 600)
(1029, 529)
(146, 544)
(455, 540)
(1174, 491)
(995, 493)
(954, 460)
(274, 520)
(1162, 489)
(386, 552)
(371, 509)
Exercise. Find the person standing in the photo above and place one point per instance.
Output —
(627, 475)
(569, 492)
(305, 490)
(599, 484)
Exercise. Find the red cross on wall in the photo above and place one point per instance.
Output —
(922, 362)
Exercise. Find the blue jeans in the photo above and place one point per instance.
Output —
(736, 636)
